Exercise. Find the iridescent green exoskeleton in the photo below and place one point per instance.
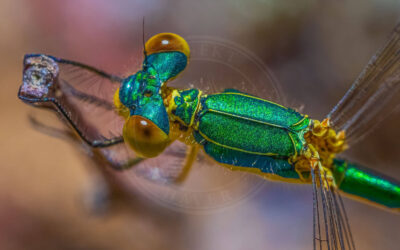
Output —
(238, 130)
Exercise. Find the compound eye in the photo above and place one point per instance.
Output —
(165, 42)
(144, 137)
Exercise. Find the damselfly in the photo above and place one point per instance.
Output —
(237, 130)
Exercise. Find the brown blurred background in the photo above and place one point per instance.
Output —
(315, 48)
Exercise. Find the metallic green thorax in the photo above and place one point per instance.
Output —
(246, 123)
(244, 131)
(364, 183)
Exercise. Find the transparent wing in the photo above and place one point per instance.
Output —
(69, 88)
(374, 95)
(217, 64)
(88, 93)
(331, 229)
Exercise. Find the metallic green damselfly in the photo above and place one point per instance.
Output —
(237, 130)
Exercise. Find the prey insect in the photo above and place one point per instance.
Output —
(237, 130)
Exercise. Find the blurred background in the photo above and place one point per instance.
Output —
(315, 48)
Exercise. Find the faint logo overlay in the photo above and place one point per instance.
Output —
(215, 65)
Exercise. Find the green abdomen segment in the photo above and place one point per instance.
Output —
(245, 131)
(366, 184)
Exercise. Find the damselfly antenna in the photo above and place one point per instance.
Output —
(144, 45)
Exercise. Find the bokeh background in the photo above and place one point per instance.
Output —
(316, 48)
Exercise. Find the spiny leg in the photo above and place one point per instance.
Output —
(98, 143)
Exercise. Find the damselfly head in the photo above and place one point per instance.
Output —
(39, 74)
(146, 127)
(139, 98)
(140, 102)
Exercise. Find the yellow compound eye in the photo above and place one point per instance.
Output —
(165, 42)
(144, 137)
(120, 108)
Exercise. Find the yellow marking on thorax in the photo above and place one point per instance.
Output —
(176, 133)
(198, 107)
(322, 145)
(168, 95)
(301, 120)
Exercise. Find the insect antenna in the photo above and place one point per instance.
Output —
(145, 63)
(81, 129)
(144, 45)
